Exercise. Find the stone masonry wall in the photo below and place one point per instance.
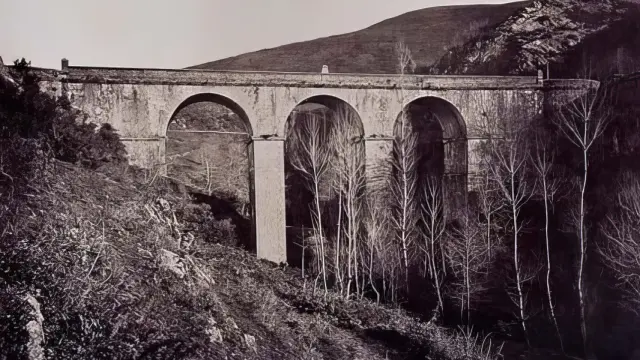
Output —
(140, 103)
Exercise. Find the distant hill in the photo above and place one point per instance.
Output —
(513, 38)
(429, 33)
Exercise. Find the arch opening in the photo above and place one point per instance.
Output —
(324, 184)
(208, 148)
(440, 149)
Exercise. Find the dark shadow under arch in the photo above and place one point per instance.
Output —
(442, 148)
(447, 115)
(326, 102)
(332, 113)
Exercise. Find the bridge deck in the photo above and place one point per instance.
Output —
(199, 77)
(79, 74)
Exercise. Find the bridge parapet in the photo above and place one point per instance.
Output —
(105, 75)
(114, 75)
(78, 74)
(569, 84)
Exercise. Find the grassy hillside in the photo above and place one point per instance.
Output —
(428, 32)
(141, 271)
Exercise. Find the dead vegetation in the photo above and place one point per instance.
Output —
(125, 270)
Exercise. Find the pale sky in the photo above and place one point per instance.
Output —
(177, 34)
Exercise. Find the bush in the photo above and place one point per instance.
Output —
(59, 131)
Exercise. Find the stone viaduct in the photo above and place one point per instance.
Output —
(140, 104)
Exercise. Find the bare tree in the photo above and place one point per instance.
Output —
(542, 160)
(468, 258)
(621, 253)
(383, 260)
(405, 182)
(308, 156)
(489, 204)
(405, 59)
(349, 184)
(405, 187)
(434, 228)
(377, 229)
(506, 159)
(582, 122)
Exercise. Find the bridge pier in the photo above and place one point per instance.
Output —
(269, 199)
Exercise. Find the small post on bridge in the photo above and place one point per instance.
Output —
(540, 76)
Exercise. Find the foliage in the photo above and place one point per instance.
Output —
(59, 130)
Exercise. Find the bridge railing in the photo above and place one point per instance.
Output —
(261, 78)
(86, 74)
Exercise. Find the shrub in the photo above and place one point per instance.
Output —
(60, 131)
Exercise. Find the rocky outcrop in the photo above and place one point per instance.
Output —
(3, 69)
(545, 31)
(35, 350)
(5, 77)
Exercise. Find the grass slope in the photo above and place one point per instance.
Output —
(130, 266)
(428, 32)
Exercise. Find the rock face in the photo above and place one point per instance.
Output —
(546, 30)
(171, 262)
(3, 69)
(5, 77)
(35, 349)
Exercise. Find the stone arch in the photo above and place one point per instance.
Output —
(450, 117)
(442, 145)
(212, 98)
(208, 146)
(330, 101)
(339, 121)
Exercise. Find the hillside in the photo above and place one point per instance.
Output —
(428, 32)
(569, 34)
(513, 38)
(140, 270)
